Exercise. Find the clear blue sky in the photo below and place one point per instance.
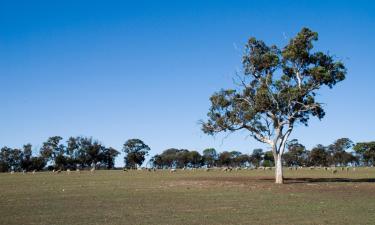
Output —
(116, 70)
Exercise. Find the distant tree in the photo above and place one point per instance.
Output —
(108, 157)
(256, 157)
(209, 157)
(296, 155)
(94, 153)
(26, 162)
(241, 160)
(157, 161)
(37, 163)
(12, 158)
(17, 159)
(337, 150)
(268, 159)
(195, 159)
(72, 152)
(4, 167)
(235, 154)
(169, 158)
(85, 151)
(225, 159)
(52, 149)
(238, 159)
(5, 153)
(366, 152)
(180, 158)
(84, 146)
(350, 158)
(319, 156)
(136, 151)
(278, 91)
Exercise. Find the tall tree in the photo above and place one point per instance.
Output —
(209, 157)
(136, 152)
(366, 152)
(278, 91)
(319, 156)
(181, 158)
(26, 162)
(52, 150)
(108, 157)
(195, 159)
(256, 157)
(296, 155)
(72, 151)
(225, 159)
(268, 159)
(5, 159)
(337, 150)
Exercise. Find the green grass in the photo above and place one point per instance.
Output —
(188, 197)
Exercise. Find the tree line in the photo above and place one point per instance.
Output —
(85, 152)
(76, 153)
(335, 154)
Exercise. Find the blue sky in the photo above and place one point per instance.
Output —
(116, 70)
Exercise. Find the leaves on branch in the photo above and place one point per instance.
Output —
(277, 90)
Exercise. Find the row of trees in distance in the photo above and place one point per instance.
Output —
(76, 152)
(85, 152)
(336, 154)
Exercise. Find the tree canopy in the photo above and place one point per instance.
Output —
(278, 90)
(136, 151)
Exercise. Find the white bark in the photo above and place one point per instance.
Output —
(279, 170)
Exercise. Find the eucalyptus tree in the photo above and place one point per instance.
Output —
(319, 156)
(209, 157)
(276, 92)
(224, 159)
(256, 157)
(26, 162)
(136, 151)
(338, 152)
(297, 155)
(52, 149)
(108, 157)
(5, 159)
(366, 152)
(195, 159)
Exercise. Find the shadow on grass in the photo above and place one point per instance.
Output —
(322, 180)
(328, 180)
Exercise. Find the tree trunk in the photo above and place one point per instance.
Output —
(279, 170)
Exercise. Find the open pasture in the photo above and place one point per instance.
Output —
(189, 197)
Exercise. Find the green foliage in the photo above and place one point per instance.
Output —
(319, 156)
(257, 157)
(52, 148)
(297, 155)
(11, 159)
(80, 151)
(209, 157)
(337, 150)
(366, 151)
(195, 159)
(177, 158)
(225, 159)
(108, 157)
(136, 151)
(277, 91)
(268, 159)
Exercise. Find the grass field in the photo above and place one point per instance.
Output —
(188, 197)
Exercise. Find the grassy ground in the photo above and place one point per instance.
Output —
(188, 197)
